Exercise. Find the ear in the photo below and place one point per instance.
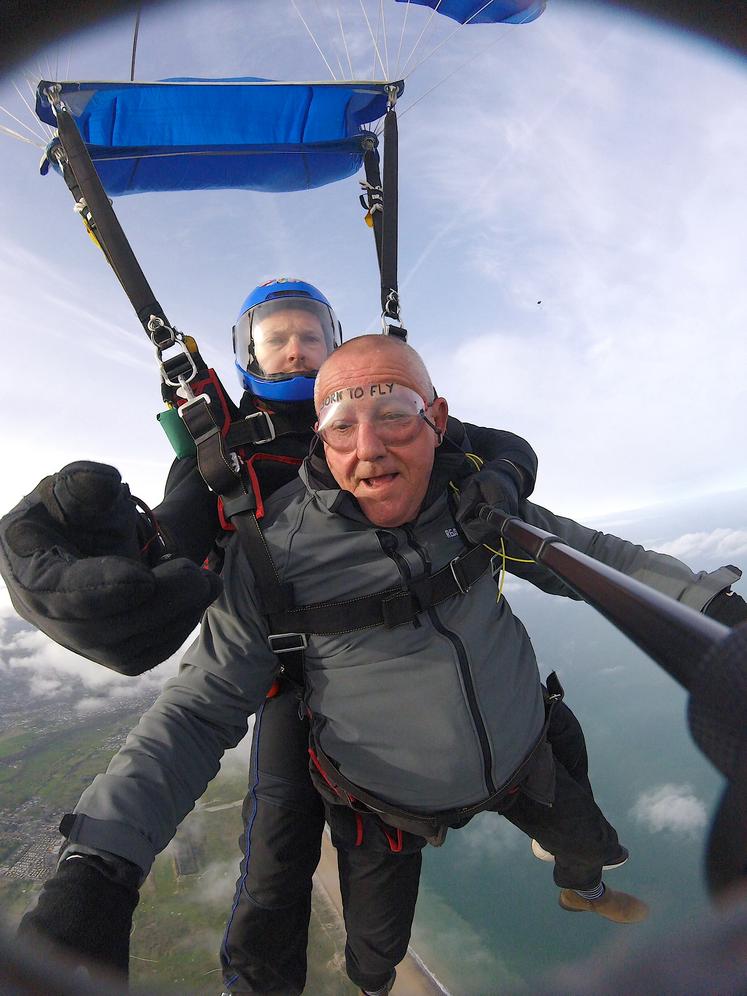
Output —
(440, 414)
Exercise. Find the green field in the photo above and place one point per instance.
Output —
(15, 741)
(55, 767)
(180, 920)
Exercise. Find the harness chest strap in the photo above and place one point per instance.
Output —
(289, 624)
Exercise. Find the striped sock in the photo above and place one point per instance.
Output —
(596, 893)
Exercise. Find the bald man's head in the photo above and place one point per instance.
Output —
(380, 425)
(370, 358)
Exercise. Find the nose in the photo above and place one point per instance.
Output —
(294, 348)
(369, 445)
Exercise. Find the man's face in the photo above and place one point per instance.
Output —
(389, 480)
(289, 341)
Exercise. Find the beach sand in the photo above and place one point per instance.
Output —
(413, 977)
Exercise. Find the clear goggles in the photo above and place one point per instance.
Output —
(395, 413)
(261, 329)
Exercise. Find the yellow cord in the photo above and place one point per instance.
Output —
(478, 462)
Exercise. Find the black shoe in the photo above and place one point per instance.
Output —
(384, 991)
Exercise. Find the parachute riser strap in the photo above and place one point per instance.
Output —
(373, 198)
(85, 185)
(390, 304)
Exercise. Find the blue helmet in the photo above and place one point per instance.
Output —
(320, 334)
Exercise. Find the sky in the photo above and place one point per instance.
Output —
(573, 230)
(572, 238)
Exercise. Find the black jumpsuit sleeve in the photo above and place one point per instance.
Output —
(188, 514)
(497, 445)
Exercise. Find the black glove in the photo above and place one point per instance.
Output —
(496, 488)
(86, 908)
(71, 556)
(728, 608)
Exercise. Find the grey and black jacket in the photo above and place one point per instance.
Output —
(430, 715)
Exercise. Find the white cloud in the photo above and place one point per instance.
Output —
(489, 836)
(215, 886)
(718, 544)
(49, 668)
(671, 807)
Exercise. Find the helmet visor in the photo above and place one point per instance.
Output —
(286, 336)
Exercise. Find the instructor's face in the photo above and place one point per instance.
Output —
(389, 480)
(290, 341)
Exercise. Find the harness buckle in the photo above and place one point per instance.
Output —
(270, 428)
(286, 643)
(458, 574)
(184, 409)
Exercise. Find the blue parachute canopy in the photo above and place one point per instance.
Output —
(486, 11)
(242, 133)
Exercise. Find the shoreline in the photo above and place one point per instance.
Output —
(414, 978)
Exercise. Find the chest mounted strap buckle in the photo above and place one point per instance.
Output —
(457, 570)
(255, 431)
(286, 643)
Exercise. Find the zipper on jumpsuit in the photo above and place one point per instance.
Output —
(464, 668)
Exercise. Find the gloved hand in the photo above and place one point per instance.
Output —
(86, 908)
(70, 554)
(728, 608)
(489, 486)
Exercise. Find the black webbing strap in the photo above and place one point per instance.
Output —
(388, 608)
(388, 254)
(260, 427)
(431, 825)
(373, 199)
(274, 595)
(84, 183)
(218, 470)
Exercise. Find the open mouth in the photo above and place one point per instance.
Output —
(378, 482)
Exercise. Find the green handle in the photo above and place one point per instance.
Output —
(178, 436)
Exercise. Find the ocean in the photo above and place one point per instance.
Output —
(488, 917)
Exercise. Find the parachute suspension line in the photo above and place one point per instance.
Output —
(345, 44)
(134, 41)
(21, 138)
(373, 40)
(335, 46)
(311, 35)
(46, 131)
(37, 136)
(382, 19)
(401, 39)
(420, 36)
(451, 35)
(459, 68)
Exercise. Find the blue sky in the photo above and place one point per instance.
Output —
(590, 161)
